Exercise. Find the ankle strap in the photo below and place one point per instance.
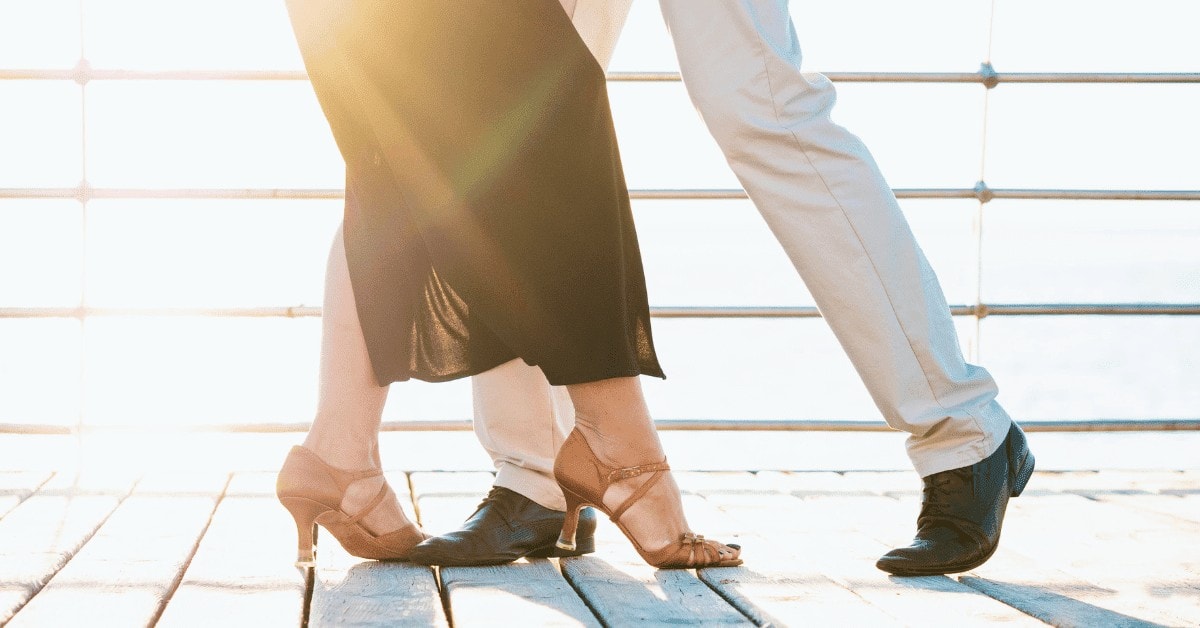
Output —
(632, 472)
(369, 508)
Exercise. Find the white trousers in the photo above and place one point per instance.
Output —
(823, 197)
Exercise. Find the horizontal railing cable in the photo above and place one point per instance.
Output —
(304, 311)
(980, 192)
(987, 76)
(675, 425)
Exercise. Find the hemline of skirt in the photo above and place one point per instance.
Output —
(566, 379)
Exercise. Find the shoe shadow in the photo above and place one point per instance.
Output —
(528, 591)
(1055, 608)
(675, 596)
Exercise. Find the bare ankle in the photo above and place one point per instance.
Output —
(338, 453)
(621, 449)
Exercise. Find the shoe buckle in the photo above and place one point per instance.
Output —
(630, 472)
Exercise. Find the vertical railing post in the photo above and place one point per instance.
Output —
(82, 79)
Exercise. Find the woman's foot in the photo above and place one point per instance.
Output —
(628, 478)
(386, 516)
(356, 506)
(656, 519)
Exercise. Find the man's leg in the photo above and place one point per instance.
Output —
(521, 420)
(826, 201)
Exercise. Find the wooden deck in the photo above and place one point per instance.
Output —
(204, 549)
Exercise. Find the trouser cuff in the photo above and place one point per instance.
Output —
(537, 486)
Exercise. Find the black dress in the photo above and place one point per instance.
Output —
(487, 216)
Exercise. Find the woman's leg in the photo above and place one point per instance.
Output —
(345, 432)
(613, 418)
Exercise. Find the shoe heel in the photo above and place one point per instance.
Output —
(566, 538)
(1020, 476)
(305, 512)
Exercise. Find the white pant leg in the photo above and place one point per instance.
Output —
(522, 421)
(824, 198)
(519, 418)
(599, 23)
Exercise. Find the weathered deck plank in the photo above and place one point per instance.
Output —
(128, 569)
(815, 544)
(1085, 482)
(17, 486)
(532, 590)
(244, 564)
(1137, 564)
(1171, 493)
(39, 536)
(770, 588)
(1025, 574)
(1022, 573)
(1079, 549)
(349, 591)
(1185, 507)
(623, 590)
(624, 593)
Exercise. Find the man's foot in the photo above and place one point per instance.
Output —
(506, 526)
(962, 511)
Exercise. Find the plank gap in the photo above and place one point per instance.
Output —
(10, 498)
(310, 582)
(66, 554)
(173, 586)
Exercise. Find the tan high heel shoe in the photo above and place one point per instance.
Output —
(312, 491)
(584, 480)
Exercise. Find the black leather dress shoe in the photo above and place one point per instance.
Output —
(962, 511)
(506, 526)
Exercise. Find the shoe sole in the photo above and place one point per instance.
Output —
(582, 546)
(1018, 478)
(586, 546)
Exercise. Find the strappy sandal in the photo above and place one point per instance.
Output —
(312, 492)
(584, 480)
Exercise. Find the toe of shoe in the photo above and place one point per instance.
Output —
(423, 557)
(433, 551)
(894, 562)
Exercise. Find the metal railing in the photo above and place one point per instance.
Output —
(987, 76)
(83, 74)
(980, 192)
(981, 310)
(668, 425)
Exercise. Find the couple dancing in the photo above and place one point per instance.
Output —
(488, 233)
